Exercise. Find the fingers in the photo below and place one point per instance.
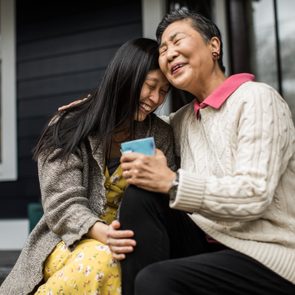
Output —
(115, 224)
(130, 157)
(120, 242)
(119, 256)
(121, 247)
(68, 106)
(73, 103)
(128, 174)
(119, 234)
(133, 163)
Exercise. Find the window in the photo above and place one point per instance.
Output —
(152, 13)
(274, 46)
(8, 156)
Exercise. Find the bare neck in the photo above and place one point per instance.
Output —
(205, 87)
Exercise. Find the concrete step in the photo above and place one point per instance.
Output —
(7, 261)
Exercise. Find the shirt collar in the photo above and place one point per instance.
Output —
(217, 98)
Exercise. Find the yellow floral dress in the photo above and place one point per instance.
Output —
(89, 269)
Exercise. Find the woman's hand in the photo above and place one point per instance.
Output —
(73, 103)
(120, 242)
(148, 172)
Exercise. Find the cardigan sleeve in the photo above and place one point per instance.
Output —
(264, 147)
(164, 138)
(64, 197)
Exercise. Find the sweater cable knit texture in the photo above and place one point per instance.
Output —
(238, 171)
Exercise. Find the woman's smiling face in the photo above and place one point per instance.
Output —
(185, 57)
(152, 95)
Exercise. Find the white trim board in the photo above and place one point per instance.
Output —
(220, 17)
(8, 163)
(152, 13)
(13, 233)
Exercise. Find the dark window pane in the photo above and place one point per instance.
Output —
(286, 19)
(264, 62)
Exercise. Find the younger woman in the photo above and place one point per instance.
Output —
(81, 179)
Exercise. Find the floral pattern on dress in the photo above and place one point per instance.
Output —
(90, 268)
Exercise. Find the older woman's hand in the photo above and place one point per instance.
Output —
(148, 172)
(73, 103)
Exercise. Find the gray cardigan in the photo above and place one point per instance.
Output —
(73, 198)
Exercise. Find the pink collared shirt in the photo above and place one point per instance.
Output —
(217, 98)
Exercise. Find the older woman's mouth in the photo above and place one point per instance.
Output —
(176, 67)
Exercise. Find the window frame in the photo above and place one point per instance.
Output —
(8, 140)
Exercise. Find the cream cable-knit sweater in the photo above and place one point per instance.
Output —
(237, 174)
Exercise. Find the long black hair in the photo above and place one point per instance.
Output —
(111, 105)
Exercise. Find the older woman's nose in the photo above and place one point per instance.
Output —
(171, 53)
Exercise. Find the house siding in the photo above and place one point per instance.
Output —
(62, 52)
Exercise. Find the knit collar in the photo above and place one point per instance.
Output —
(217, 98)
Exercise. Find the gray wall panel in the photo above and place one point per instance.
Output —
(62, 52)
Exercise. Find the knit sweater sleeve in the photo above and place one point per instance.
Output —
(264, 146)
(64, 197)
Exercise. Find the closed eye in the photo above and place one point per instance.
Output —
(150, 86)
(177, 41)
(164, 91)
(177, 38)
(163, 50)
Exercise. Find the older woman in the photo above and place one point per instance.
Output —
(237, 147)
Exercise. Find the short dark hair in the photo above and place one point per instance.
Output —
(204, 26)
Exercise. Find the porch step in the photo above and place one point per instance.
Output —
(7, 261)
